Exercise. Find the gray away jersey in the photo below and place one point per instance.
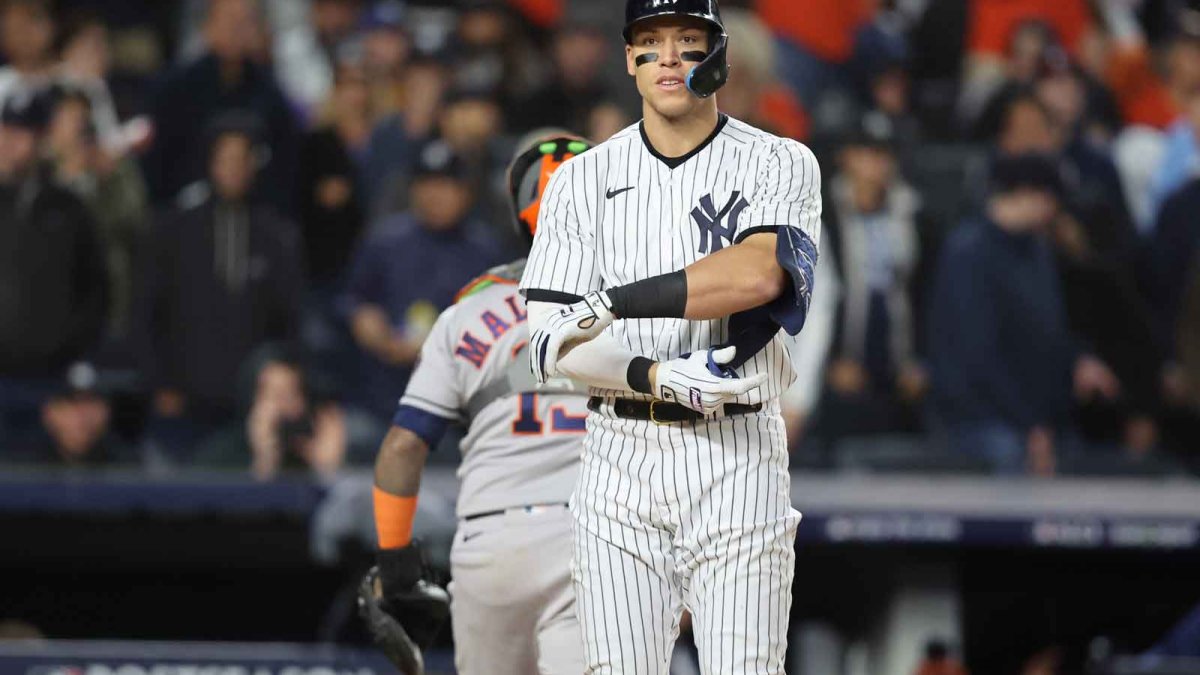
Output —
(523, 443)
(619, 213)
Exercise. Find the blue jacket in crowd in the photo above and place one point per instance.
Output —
(1000, 347)
(412, 274)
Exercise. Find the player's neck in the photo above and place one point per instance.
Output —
(679, 136)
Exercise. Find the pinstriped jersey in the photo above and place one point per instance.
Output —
(523, 442)
(622, 213)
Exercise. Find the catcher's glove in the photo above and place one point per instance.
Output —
(402, 616)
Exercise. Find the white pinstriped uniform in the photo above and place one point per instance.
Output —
(687, 515)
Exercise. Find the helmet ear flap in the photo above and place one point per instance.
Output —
(705, 79)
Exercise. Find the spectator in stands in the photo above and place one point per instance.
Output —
(605, 120)
(111, 187)
(224, 79)
(1181, 161)
(287, 426)
(874, 229)
(578, 54)
(471, 124)
(27, 41)
(385, 53)
(84, 60)
(890, 87)
(306, 54)
(224, 275)
(1083, 107)
(487, 52)
(52, 276)
(1006, 39)
(1000, 347)
(753, 93)
(1173, 289)
(410, 269)
(1172, 253)
(331, 197)
(1094, 242)
(76, 430)
(815, 45)
(1094, 195)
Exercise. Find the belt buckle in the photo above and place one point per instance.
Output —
(653, 418)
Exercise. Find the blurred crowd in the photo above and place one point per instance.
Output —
(226, 226)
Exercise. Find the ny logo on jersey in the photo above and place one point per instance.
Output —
(717, 225)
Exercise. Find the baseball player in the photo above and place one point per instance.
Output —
(512, 604)
(666, 262)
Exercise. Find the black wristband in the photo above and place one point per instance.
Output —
(399, 568)
(638, 375)
(661, 297)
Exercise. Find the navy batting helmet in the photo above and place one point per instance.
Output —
(530, 172)
(713, 71)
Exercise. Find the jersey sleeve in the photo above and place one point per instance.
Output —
(788, 194)
(563, 261)
(434, 387)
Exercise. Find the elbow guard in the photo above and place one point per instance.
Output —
(797, 255)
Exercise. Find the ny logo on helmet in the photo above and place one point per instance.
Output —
(662, 3)
(717, 225)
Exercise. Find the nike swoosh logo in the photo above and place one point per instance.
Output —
(613, 193)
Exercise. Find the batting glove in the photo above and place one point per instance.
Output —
(575, 323)
(702, 382)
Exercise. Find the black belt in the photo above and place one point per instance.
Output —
(662, 412)
(528, 508)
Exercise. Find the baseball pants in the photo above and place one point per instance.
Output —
(694, 516)
(512, 605)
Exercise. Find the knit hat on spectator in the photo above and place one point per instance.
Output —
(874, 130)
(385, 15)
(437, 159)
(81, 379)
(28, 109)
(1032, 171)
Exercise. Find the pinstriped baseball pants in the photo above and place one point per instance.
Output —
(694, 516)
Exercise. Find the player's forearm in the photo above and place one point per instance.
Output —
(397, 479)
(605, 364)
(735, 279)
(602, 362)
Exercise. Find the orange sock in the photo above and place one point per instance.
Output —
(394, 518)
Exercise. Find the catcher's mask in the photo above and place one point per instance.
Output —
(530, 172)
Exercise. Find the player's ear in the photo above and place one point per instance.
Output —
(630, 66)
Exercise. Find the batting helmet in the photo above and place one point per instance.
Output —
(713, 71)
(530, 172)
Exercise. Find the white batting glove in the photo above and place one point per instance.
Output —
(689, 382)
(569, 326)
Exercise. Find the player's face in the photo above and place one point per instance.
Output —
(662, 81)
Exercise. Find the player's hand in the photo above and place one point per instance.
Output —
(569, 326)
(702, 382)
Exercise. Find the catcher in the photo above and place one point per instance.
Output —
(513, 607)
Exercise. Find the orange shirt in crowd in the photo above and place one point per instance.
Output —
(943, 667)
(992, 22)
(824, 27)
(1140, 92)
(783, 113)
(542, 13)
